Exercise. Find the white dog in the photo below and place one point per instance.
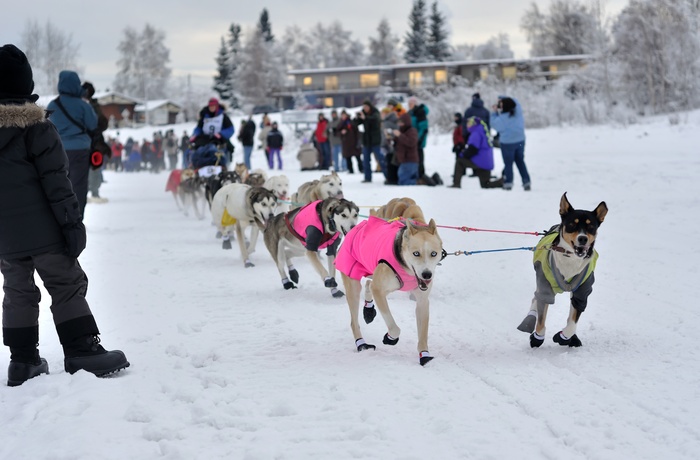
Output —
(279, 185)
(239, 206)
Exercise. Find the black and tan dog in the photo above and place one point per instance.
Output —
(215, 182)
(306, 230)
(564, 262)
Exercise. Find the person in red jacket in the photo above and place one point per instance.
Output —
(322, 142)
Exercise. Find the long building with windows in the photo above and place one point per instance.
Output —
(349, 86)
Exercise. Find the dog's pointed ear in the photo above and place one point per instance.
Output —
(601, 211)
(432, 227)
(412, 229)
(564, 205)
(373, 212)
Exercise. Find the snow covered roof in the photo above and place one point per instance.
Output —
(156, 104)
(423, 65)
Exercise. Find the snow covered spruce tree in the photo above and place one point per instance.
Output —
(260, 67)
(226, 66)
(143, 71)
(438, 48)
(382, 49)
(265, 26)
(416, 38)
(50, 50)
(657, 44)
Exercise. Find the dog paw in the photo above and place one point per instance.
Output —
(330, 282)
(425, 358)
(528, 324)
(219, 235)
(572, 341)
(288, 285)
(337, 293)
(362, 345)
(294, 275)
(369, 313)
(226, 244)
(536, 340)
(389, 340)
(249, 264)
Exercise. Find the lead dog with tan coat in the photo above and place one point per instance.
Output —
(399, 255)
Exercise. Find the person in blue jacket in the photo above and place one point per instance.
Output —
(508, 120)
(214, 126)
(419, 119)
(74, 119)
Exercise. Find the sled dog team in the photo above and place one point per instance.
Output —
(395, 250)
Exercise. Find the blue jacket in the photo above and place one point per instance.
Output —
(477, 109)
(419, 119)
(510, 128)
(70, 93)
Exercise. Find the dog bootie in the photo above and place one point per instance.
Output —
(536, 340)
(562, 340)
(389, 340)
(528, 324)
(362, 345)
(330, 282)
(337, 293)
(86, 353)
(369, 312)
(425, 358)
(293, 274)
(287, 284)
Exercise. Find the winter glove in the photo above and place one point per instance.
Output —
(76, 239)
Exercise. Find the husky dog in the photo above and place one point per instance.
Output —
(564, 262)
(215, 182)
(328, 186)
(187, 191)
(397, 256)
(280, 186)
(306, 230)
(399, 207)
(239, 206)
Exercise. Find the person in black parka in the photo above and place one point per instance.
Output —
(41, 230)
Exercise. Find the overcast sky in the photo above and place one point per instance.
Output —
(194, 27)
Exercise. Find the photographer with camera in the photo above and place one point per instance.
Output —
(508, 120)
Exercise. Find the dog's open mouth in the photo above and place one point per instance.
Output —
(581, 251)
(422, 284)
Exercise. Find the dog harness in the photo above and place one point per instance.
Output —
(300, 219)
(545, 258)
(369, 244)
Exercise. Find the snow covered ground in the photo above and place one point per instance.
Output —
(226, 364)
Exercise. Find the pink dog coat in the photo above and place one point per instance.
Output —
(367, 245)
(309, 216)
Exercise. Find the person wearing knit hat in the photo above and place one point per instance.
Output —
(213, 127)
(41, 231)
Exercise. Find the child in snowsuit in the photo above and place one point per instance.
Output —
(275, 142)
(41, 230)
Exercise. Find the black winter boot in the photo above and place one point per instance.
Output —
(25, 363)
(86, 353)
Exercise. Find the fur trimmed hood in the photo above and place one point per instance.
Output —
(21, 116)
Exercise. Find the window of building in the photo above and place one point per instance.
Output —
(509, 72)
(484, 73)
(307, 81)
(440, 77)
(553, 69)
(331, 82)
(369, 80)
(328, 102)
(415, 79)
